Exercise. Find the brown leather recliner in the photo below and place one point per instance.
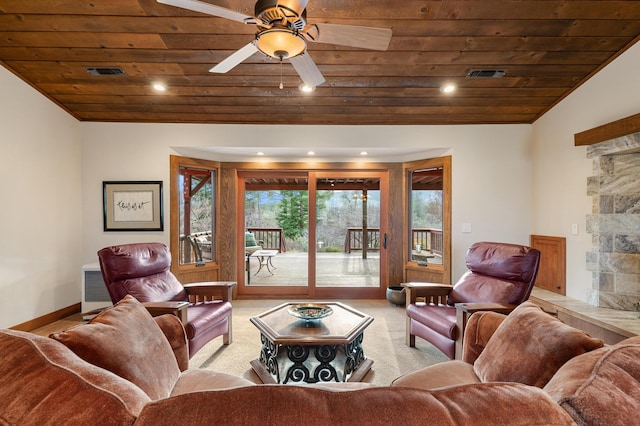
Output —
(142, 270)
(499, 278)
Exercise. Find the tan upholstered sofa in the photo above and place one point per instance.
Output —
(124, 367)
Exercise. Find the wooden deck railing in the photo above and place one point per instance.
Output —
(272, 238)
(353, 239)
(429, 239)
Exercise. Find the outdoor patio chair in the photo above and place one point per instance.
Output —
(201, 246)
(142, 270)
(250, 244)
(499, 278)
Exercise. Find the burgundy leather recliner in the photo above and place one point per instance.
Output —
(142, 270)
(500, 277)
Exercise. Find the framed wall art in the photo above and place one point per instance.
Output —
(132, 205)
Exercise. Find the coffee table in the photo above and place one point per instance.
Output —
(323, 350)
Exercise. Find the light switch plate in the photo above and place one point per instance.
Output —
(466, 228)
(574, 229)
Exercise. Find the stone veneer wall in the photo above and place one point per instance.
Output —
(615, 223)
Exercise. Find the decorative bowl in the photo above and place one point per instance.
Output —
(310, 311)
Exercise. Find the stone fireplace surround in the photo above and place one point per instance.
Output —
(614, 224)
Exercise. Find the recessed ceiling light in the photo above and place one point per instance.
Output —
(159, 87)
(304, 88)
(311, 153)
(364, 153)
(448, 88)
(260, 153)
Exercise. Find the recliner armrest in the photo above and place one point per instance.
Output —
(178, 309)
(211, 289)
(432, 292)
(469, 308)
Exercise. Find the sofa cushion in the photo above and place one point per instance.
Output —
(479, 404)
(125, 340)
(529, 347)
(250, 240)
(440, 375)
(601, 387)
(197, 379)
(44, 382)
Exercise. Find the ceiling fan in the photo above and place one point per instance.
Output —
(283, 33)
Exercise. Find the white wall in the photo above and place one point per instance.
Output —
(508, 181)
(40, 213)
(491, 169)
(560, 169)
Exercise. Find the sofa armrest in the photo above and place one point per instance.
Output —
(464, 311)
(173, 329)
(480, 328)
(211, 290)
(431, 292)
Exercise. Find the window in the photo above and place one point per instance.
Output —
(425, 215)
(428, 220)
(197, 215)
(193, 219)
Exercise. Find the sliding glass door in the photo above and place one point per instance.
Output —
(348, 233)
(314, 233)
(276, 225)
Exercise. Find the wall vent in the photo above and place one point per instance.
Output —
(479, 73)
(105, 71)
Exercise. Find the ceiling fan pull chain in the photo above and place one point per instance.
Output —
(281, 83)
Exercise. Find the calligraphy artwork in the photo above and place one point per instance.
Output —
(132, 206)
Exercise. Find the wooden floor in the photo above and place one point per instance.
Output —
(59, 325)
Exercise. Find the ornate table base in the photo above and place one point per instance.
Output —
(311, 363)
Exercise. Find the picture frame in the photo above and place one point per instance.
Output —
(132, 206)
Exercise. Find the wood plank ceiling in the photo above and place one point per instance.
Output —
(548, 48)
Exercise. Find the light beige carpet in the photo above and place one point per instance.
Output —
(383, 342)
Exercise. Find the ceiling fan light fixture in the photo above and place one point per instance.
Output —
(280, 43)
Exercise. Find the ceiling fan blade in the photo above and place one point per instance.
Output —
(351, 35)
(210, 9)
(307, 70)
(235, 58)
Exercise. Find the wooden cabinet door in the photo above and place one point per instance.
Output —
(552, 270)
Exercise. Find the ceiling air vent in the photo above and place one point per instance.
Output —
(105, 71)
(477, 73)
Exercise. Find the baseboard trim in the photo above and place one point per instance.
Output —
(48, 318)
